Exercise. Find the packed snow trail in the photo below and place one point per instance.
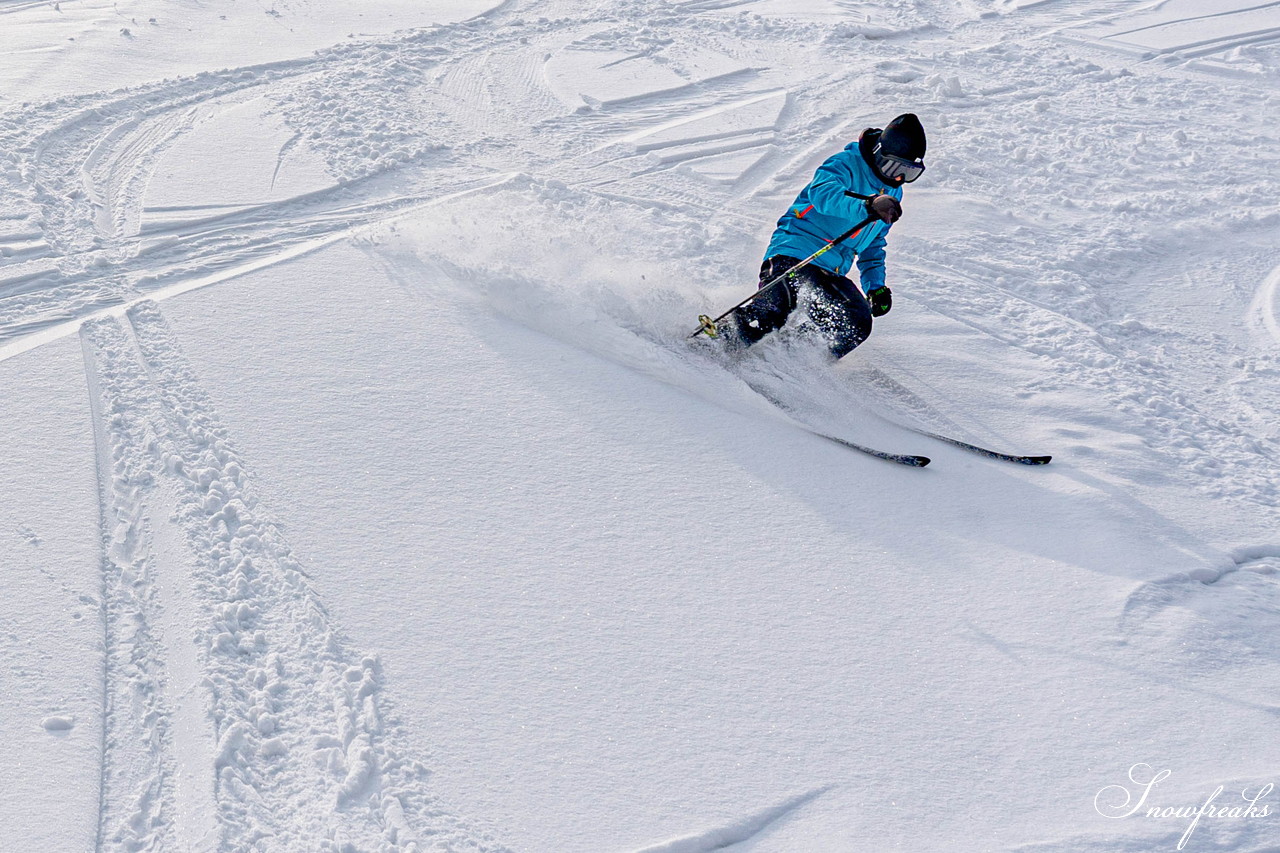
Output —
(138, 764)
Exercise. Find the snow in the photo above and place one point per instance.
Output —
(50, 625)
(1189, 27)
(276, 166)
(363, 491)
(84, 46)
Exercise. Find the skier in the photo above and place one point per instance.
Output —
(862, 181)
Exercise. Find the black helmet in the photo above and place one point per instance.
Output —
(898, 154)
(903, 137)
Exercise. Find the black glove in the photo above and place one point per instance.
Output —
(881, 300)
(884, 207)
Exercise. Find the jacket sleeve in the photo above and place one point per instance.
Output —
(826, 192)
(871, 262)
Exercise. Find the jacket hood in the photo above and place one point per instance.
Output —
(866, 146)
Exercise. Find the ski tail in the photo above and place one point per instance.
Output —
(911, 459)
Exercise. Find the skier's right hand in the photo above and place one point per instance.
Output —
(884, 207)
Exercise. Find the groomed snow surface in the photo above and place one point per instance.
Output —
(362, 491)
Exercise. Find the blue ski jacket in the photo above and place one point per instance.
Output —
(823, 212)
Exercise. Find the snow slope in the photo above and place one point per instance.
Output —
(364, 493)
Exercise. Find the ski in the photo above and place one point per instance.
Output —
(709, 327)
(901, 458)
(982, 451)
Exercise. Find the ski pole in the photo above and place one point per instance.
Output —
(709, 323)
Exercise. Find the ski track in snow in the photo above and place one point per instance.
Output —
(137, 762)
(1266, 304)
(280, 726)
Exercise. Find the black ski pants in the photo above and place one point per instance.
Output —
(839, 310)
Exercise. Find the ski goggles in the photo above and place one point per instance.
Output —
(898, 167)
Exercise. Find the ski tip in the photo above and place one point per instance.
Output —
(918, 461)
(1035, 460)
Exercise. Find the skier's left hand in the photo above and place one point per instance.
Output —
(884, 207)
(881, 300)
